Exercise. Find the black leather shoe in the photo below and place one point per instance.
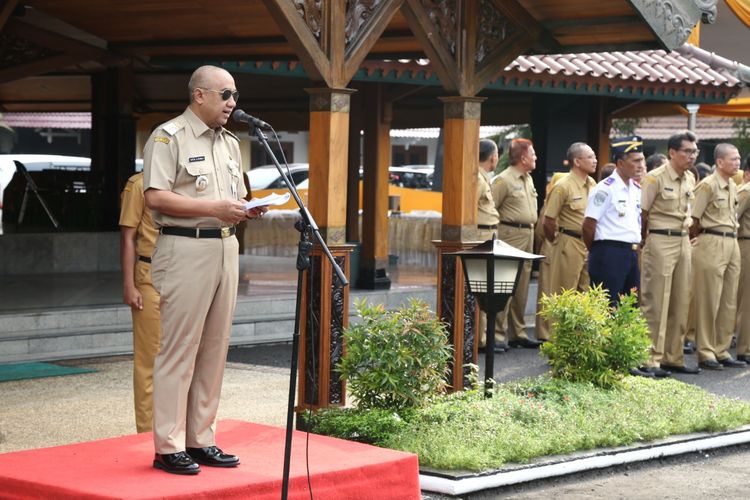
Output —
(730, 362)
(176, 463)
(744, 357)
(688, 348)
(656, 371)
(711, 364)
(690, 370)
(213, 457)
(640, 373)
(481, 349)
(523, 342)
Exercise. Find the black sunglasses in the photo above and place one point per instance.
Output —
(225, 94)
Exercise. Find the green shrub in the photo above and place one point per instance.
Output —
(371, 426)
(589, 342)
(395, 360)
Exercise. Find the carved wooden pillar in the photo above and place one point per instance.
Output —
(325, 300)
(377, 159)
(456, 306)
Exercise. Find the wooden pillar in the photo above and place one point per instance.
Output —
(377, 159)
(112, 142)
(600, 123)
(455, 305)
(325, 300)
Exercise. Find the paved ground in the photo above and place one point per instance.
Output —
(53, 411)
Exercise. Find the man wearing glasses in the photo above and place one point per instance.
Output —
(193, 183)
(716, 261)
(667, 196)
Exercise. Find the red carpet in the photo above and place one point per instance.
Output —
(121, 468)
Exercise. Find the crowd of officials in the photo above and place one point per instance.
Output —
(677, 232)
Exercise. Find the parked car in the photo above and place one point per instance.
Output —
(412, 176)
(268, 177)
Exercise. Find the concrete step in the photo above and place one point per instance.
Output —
(106, 331)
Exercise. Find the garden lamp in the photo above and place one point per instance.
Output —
(492, 270)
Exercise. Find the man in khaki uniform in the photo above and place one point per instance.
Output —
(487, 217)
(565, 266)
(743, 292)
(666, 198)
(194, 186)
(137, 239)
(716, 261)
(541, 246)
(515, 200)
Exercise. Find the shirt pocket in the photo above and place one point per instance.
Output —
(578, 205)
(201, 180)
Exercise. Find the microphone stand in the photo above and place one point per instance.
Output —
(307, 228)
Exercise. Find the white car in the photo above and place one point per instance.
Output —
(268, 177)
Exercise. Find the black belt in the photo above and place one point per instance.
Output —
(669, 232)
(199, 232)
(569, 232)
(147, 260)
(618, 244)
(743, 237)
(485, 226)
(514, 224)
(726, 234)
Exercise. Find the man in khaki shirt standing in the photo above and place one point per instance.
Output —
(137, 239)
(515, 200)
(716, 261)
(666, 199)
(487, 217)
(193, 182)
(743, 292)
(565, 266)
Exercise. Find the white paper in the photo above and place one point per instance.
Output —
(271, 199)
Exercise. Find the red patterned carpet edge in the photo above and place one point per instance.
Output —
(121, 468)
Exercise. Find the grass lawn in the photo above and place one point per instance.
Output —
(537, 417)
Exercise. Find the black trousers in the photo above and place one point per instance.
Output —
(614, 265)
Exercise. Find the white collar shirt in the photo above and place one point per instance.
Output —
(616, 207)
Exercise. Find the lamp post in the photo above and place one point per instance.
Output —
(492, 270)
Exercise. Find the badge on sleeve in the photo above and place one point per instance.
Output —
(599, 198)
(201, 183)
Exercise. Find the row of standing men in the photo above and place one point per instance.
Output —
(684, 245)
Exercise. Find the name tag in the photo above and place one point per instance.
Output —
(196, 158)
(668, 189)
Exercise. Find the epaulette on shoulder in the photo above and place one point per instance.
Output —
(232, 134)
(650, 179)
(174, 126)
(702, 186)
(608, 181)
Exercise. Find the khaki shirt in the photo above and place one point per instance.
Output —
(515, 197)
(567, 201)
(715, 203)
(133, 213)
(486, 211)
(668, 198)
(187, 157)
(743, 210)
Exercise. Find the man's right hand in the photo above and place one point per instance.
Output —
(230, 211)
(133, 298)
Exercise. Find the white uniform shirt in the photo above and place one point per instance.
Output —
(616, 207)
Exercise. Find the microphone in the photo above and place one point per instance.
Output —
(242, 117)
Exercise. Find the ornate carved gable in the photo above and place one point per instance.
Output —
(493, 30)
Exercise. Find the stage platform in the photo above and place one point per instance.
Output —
(121, 468)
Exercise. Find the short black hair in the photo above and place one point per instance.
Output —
(655, 160)
(675, 141)
(746, 163)
(486, 149)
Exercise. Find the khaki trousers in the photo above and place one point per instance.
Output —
(665, 295)
(564, 269)
(514, 312)
(716, 274)
(197, 282)
(743, 301)
(146, 334)
(483, 235)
